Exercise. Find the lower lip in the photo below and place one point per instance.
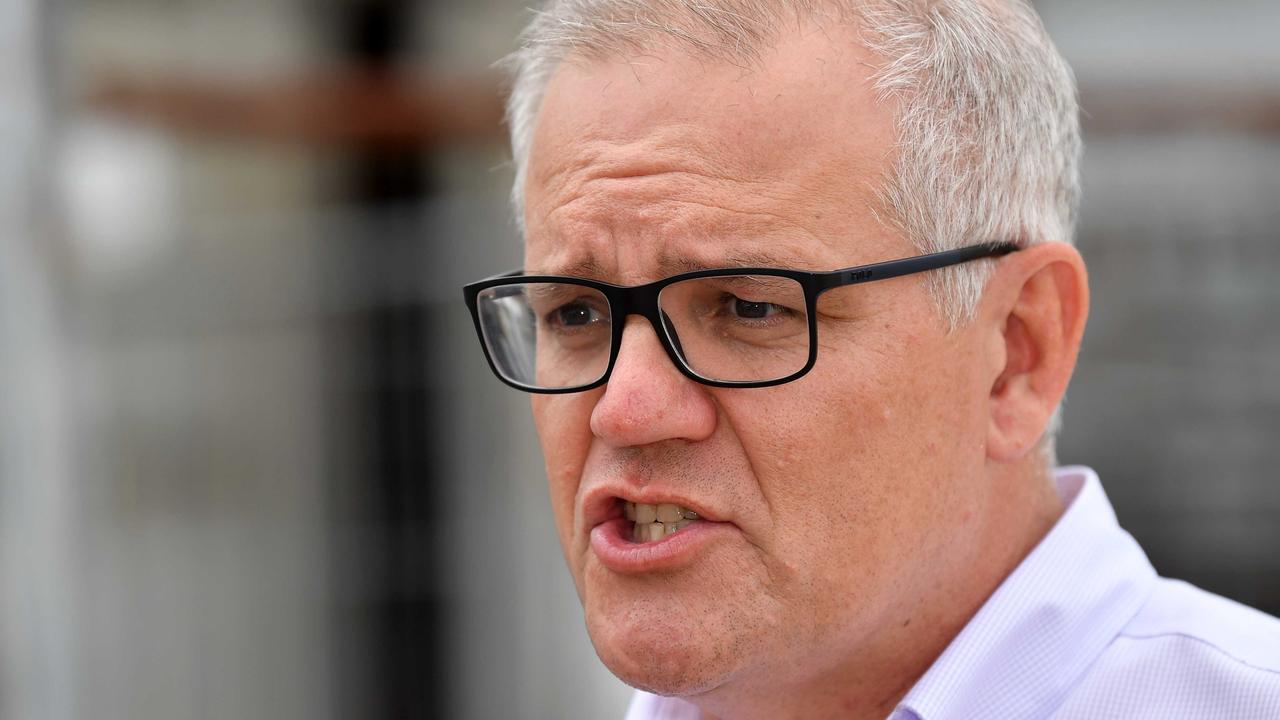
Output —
(610, 541)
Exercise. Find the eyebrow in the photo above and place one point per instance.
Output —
(737, 259)
(545, 292)
(589, 267)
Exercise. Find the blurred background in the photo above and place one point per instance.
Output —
(252, 464)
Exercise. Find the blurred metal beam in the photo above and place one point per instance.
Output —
(363, 104)
(359, 104)
(1121, 109)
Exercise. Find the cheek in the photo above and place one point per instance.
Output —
(852, 461)
(814, 441)
(899, 404)
(941, 402)
(563, 433)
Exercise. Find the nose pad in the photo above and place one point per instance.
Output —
(668, 329)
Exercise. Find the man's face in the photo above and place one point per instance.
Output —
(842, 499)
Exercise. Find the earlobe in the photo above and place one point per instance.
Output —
(1039, 302)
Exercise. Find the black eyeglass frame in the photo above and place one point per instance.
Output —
(625, 301)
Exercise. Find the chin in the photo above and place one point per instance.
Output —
(660, 651)
(680, 670)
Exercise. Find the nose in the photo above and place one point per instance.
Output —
(647, 400)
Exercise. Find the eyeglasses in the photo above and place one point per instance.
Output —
(733, 327)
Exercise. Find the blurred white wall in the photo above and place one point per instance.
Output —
(1158, 41)
(38, 517)
(163, 522)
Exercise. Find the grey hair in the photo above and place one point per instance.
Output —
(988, 121)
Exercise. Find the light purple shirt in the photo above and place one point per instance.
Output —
(1084, 629)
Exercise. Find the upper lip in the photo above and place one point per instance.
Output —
(600, 504)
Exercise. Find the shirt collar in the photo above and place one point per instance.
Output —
(1045, 624)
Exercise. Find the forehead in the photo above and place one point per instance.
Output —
(647, 164)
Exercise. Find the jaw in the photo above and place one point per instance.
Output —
(664, 634)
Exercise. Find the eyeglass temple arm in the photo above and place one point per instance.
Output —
(912, 265)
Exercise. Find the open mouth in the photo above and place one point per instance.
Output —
(654, 522)
(634, 538)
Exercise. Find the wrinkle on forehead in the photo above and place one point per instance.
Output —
(636, 173)
(631, 218)
(632, 245)
(675, 149)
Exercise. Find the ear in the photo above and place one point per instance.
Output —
(1033, 314)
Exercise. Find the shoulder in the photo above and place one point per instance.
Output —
(1188, 654)
(1180, 609)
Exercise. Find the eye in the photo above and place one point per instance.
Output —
(743, 309)
(575, 315)
(752, 310)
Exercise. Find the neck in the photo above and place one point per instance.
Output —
(1021, 506)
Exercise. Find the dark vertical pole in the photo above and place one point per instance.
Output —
(402, 468)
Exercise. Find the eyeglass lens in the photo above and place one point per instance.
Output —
(547, 335)
(739, 328)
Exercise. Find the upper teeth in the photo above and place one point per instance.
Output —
(653, 522)
(664, 512)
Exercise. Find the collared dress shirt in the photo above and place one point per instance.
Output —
(1082, 629)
